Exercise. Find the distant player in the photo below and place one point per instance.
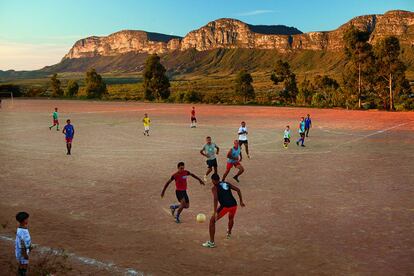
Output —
(222, 194)
(146, 120)
(55, 117)
(286, 137)
(180, 178)
(308, 125)
(210, 150)
(23, 244)
(234, 157)
(193, 118)
(243, 137)
(69, 132)
(301, 132)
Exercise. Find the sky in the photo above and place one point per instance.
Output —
(36, 33)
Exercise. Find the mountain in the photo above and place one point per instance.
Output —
(227, 45)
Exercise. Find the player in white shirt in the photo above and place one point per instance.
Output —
(23, 243)
(243, 137)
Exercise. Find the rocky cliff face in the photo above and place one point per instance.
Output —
(232, 33)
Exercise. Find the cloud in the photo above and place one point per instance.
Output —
(255, 12)
(26, 56)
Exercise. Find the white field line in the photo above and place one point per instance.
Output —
(84, 260)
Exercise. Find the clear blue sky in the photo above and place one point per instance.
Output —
(35, 33)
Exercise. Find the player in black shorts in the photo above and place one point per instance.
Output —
(222, 194)
(210, 150)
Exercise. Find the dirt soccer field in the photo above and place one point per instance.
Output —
(342, 205)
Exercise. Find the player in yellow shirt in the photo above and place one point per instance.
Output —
(146, 120)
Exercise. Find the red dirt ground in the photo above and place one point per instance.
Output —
(342, 205)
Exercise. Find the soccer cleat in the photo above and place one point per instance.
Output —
(209, 244)
(172, 208)
(303, 145)
(236, 178)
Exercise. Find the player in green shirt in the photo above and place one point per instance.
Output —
(55, 120)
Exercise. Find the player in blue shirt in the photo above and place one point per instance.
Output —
(308, 125)
(69, 132)
(301, 132)
(23, 243)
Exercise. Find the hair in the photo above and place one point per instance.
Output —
(302, 117)
(243, 122)
(287, 126)
(308, 115)
(180, 164)
(55, 108)
(215, 176)
(68, 120)
(208, 137)
(21, 216)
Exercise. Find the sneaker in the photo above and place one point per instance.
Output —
(205, 178)
(50, 128)
(172, 208)
(228, 236)
(303, 145)
(177, 219)
(209, 244)
(236, 178)
(297, 143)
(248, 156)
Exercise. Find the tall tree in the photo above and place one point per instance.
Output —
(156, 83)
(244, 86)
(390, 69)
(282, 73)
(359, 70)
(72, 88)
(55, 86)
(95, 87)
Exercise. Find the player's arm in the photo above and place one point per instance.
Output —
(73, 134)
(238, 193)
(196, 177)
(23, 249)
(218, 149)
(166, 186)
(64, 130)
(215, 202)
(229, 155)
(202, 152)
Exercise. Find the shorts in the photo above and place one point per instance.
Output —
(287, 140)
(241, 142)
(222, 211)
(22, 260)
(146, 128)
(230, 165)
(302, 134)
(182, 194)
(55, 122)
(193, 119)
(212, 163)
(69, 139)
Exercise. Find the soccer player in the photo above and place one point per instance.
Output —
(69, 132)
(180, 178)
(222, 194)
(209, 151)
(55, 119)
(193, 118)
(146, 120)
(243, 137)
(286, 137)
(234, 157)
(301, 132)
(23, 244)
(308, 125)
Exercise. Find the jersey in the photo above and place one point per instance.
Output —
(224, 195)
(69, 131)
(193, 113)
(210, 151)
(234, 153)
(55, 115)
(146, 121)
(180, 180)
(302, 127)
(286, 134)
(22, 240)
(308, 122)
(243, 136)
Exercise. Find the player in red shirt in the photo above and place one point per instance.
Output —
(193, 118)
(180, 178)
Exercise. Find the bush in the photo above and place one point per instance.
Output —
(193, 97)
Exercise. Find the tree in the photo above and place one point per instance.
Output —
(156, 83)
(359, 70)
(306, 92)
(244, 86)
(72, 88)
(390, 70)
(328, 91)
(55, 86)
(95, 87)
(282, 73)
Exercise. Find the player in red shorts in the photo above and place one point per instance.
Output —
(180, 178)
(234, 157)
(193, 118)
(69, 132)
(228, 205)
(55, 120)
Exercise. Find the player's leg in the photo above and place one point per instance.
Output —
(241, 170)
(184, 204)
(212, 226)
(57, 126)
(232, 214)
(246, 144)
(307, 132)
(228, 168)
(303, 139)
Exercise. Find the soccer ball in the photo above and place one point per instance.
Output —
(201, 218)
